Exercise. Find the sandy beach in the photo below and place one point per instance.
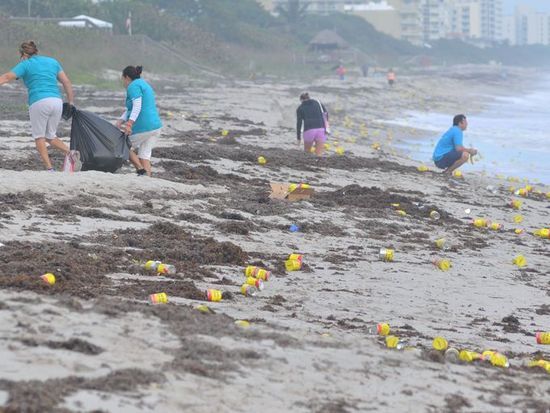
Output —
(92, 342)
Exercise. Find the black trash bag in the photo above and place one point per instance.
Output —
(68, 111)
(102, 146)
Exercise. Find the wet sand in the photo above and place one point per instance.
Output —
(92, 342)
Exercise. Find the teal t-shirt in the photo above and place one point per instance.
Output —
(448, 142)
(148, 119)
(39, 74)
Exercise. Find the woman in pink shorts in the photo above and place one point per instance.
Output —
(313, 115)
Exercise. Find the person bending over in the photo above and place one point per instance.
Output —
(450, 153)
(141, 118)
(314, 117)
(40, 75)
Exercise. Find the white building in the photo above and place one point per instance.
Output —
(527, 27)
(83, 21)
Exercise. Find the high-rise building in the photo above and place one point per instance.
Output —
(419, 21)
(436, 19)
(527, 27)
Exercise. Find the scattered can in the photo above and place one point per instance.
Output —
(518, 219)
(452, 355)
(152, 265)
(383, 329)
(543, 337)
(166, 269)
(440, 243)
(542, 233)
(297, 257)
(469, 356)
(392, 342)
(457, 174)
(520, 261)
(495, 226)
(499, 360)
(440, 344)
(158, 298)
(422, 168)
(256, 282)
(294, 228)
(257, 272)
(159, 267)
(516, 203)
(435, 215)
(386, 254)
(519, 231)
(293, 187)
(242, 323)
(401, 213)
(213, 295)
(249, 290)
(443, 264)
(480, 223)
(203, 308)
(262, 160)
(48, 278)
(293, 265)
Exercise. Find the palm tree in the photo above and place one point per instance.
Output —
(293, 11)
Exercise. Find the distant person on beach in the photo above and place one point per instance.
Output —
(391, 77)
(314, 117)
(141, 119)
(365, 70)
(341, 72)
(450, 153)
(40, 75)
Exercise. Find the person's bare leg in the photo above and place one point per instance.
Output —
(146, 165)
(43, 151)
(59, 145)
(463, 159)
(135, 160)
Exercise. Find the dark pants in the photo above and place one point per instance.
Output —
(448, 159)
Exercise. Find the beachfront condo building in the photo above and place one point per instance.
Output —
(417, 21)
(527, 27)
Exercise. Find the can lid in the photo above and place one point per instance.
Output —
(538, 336)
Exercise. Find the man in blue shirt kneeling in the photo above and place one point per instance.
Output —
(450, 153)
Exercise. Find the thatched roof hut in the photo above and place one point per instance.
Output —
(327, 40)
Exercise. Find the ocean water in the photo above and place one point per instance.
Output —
(512, 135)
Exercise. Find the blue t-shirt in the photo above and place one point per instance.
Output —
(448, 142)
(39, 73)
(148, 119)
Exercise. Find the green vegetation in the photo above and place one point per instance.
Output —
(229, 36)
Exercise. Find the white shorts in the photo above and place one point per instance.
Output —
(45, 115)
(145, 142)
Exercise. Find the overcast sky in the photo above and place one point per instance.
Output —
(541, 5)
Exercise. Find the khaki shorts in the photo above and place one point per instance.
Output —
(145, 142)
(45, 117)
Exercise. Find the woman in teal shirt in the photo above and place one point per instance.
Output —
(143, 124)
(40, 75)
